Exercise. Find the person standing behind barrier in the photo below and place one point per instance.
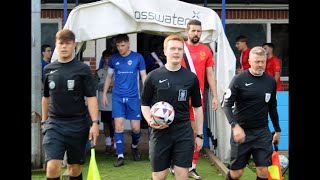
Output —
(273, 64)
(125, 66)
(46, 53)
(155, 59)
(242, 60)
(253, 92)
(67, 82)
(106, 112)
(199, 60)
(174, 84)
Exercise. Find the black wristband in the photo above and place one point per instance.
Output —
(42, 122)
(200, 136)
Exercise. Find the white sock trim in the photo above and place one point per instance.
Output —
(120, 155)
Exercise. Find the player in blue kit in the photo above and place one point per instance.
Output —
(126, 66)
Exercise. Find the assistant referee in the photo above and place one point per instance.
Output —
(253, 95)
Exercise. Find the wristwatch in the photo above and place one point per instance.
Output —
(96, 121)
(233, 124)
(42, 122)
(200, 136)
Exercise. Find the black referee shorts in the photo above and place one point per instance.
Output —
(258, 143)
(60, 136)
(173, 143)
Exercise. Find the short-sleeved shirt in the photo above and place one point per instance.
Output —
(101, 75)
(126, 73)
(273, 66)
(245, 59)
(202, 58)
(67, 85)
(43, 64)
(174, 87)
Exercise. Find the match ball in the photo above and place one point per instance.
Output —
(284, 161)
(162, 113)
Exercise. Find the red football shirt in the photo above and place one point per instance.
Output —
(202, 58)
(245, 59)
(273, 66)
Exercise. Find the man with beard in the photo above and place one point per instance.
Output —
(199, 60)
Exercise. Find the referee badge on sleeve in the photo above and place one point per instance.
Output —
(267, 98)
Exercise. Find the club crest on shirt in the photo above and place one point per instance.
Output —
(202, 55)
(129, 62)
(182, 95)
(70, 84)
(52, 85)
(267, 98)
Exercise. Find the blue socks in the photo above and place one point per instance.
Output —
(119, 140)
(135, 138)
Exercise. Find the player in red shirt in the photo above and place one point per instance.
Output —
(273, 64)
(203, 63)
(243, 58)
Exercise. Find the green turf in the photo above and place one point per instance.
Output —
(252, 167)
(135, 170)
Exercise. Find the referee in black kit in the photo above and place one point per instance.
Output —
(253, 93)
(67, 82)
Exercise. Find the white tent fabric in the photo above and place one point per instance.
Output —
(160, 17)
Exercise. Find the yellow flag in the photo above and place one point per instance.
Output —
(274, 172)
(93, 172)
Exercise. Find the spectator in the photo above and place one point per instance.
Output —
(242, 61)
(273, 64)
(106, 112)
(46, 56)
(155, 59)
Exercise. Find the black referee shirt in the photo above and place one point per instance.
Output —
(254, 97)
(67, 84)
(174, 87)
